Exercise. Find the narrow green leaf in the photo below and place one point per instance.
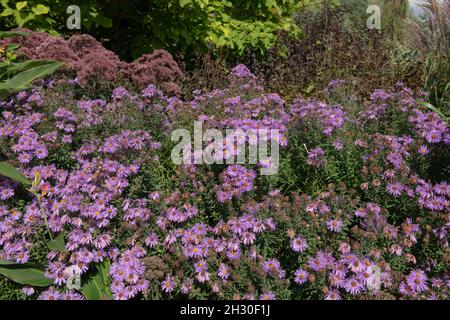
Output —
(12, 46)
(25, 78)
(92, 290)
(22, 66)
(12, 173)
(433, 108)
(6, 34)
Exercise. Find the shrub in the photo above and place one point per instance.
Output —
(336, 44)
(91, 61)
(235, 25)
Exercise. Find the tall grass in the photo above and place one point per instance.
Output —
(430, 36)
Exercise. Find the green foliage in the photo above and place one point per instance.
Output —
(58, 244)
(5, 34)
(49, 15)
(140, 27)
(97, 287)
(9, 171)
(28, 274)
(23, 12)
(17, 76)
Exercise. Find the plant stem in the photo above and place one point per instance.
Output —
(43, 213)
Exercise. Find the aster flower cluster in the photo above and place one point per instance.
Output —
(430, 126)
(127, 274)
(236, 180)
(329, 117)
(371, 223)
(316, 157)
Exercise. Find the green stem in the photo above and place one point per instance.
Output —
(43, 213)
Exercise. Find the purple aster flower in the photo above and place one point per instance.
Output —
(267, 296)
(301, 276)
(317, 263)
(168, 285)
(50, 294)
(417, 281)
(201, 265)
(405, 289)
(186, 287)
(203, 276)
(299, 244)
(152, 240)
(273, 268)
(332, 295)
(28, 291)
(423, 150)
(353, 286)
(335, 225)
(224, 271)
(395, 189)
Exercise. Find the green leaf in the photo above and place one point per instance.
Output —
(92, 290)
(12, 173)
(40, 9)
(22, 66)
(310, 89)
(21, 4)
(23, 79)
(103, 269)
(6, 34)
(58, 244)
(433, 108)
(104, 22)
(183, 3)
(6, 262)
(22, 21)
(12, 47)
(26, 274)
(97, 287)
(7, 12)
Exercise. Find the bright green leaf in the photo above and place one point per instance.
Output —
(183, 3)
(40, 9)
(12, 173)
(7, 12)
(21, 4)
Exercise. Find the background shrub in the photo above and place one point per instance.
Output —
(92, 63)
(137, 27)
